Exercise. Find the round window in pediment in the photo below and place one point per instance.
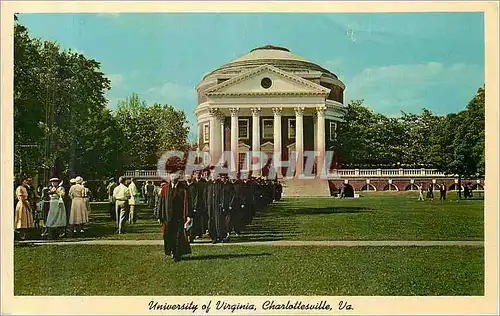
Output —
(266, 83)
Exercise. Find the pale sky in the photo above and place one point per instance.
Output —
(394, 61)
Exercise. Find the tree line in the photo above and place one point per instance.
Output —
(62, 123)
(453, 143)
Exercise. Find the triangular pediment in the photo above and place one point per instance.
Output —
(242, 147)
(267, 80)
(267, 147)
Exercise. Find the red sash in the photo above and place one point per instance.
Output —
(184, 208)
(163, 191)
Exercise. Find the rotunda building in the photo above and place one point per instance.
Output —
(269, 100)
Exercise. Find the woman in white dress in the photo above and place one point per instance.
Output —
(78, 215)
(24, 218)
(56, 219)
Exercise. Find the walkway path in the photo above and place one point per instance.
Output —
(336, 243)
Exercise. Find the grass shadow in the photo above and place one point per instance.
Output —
(251, 238)
(268, 226)
(24, 244)
(224, 256)
(332, 210)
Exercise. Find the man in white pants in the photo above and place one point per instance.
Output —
(121, 195)
(134, 199)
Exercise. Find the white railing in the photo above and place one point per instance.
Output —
(342, 173)
(141, 173)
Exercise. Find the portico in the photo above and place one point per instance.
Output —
(288, 112)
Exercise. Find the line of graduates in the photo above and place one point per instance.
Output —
(215, 207)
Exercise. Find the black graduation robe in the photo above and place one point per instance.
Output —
(193, 199)
(278, 191)
(212, 202)
(172, 211)
(259, 196)
(218, 198)
(202, 205)
(239, 206)
(249, 201)
(227, 197)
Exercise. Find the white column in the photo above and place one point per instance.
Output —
(234, 138)
(215, 136)
(277, 139)
(320, 142)
(256, 135)
(222, 123)
(299, 140)
(199, 139)
(315, 128)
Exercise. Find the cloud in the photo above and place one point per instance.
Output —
(170, 92)
(333, 63)
(116, 79)
(337, 66)
(109, 15)
(361, 28)
(180, 96)
(389, 89)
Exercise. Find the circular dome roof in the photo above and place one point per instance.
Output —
(277, 56)
(269, 52)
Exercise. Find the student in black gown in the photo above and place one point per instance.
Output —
(212, 198)
(249, 200)
(201, 208)
(278, 190)
(226, 207)
(238, 206)
(192, 205)
(172, 213)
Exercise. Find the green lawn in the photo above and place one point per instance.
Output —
(243, 270)
(269, 270)
(386, 216)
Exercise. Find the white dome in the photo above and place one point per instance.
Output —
(269, 52)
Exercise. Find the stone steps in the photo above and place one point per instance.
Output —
(306, 187)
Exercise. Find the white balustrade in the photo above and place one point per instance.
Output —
(342, 173)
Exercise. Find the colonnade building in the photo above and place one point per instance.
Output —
(269, 100)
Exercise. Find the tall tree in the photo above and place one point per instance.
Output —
(149, 131)
(452, 143)
(422, 130)
(353, 141)
(371, 139)
(56, 94)
(461, 143)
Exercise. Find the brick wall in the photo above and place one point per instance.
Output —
(382, 184)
